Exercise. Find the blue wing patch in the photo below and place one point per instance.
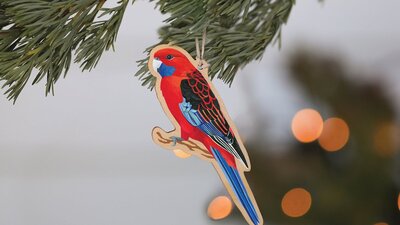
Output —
(194, 118)
(190, 114)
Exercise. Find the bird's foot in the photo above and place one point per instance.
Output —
(175, 139)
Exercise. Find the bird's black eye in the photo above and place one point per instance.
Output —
(169, 57)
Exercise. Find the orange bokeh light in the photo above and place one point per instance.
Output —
(307, 125)
(381, 223)
(296, 202)
(181, 154)
(398, 201)
(335, 134)
(219, 208)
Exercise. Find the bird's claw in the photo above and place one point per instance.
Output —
(175, 140)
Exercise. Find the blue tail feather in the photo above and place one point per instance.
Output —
(237, 185)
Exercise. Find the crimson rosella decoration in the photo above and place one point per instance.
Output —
(202, 125)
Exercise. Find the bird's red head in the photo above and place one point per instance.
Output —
(171, 62)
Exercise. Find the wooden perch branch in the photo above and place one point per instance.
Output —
(163, 139)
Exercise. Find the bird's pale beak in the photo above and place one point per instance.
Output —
(156, 64)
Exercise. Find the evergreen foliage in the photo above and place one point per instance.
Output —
(40, 37)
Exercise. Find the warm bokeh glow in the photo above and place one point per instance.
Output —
(219, 208)
(181, 154)
(386, 139)
(381, 223)
(296, 202)
(398, 201)
(307, 125)
(335, 134)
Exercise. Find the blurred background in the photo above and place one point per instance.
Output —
(320, 119)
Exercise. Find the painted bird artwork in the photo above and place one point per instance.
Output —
(202, 124)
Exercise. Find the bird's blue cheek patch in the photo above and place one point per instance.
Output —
(165, 71)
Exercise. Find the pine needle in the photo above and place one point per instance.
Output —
(41, 38)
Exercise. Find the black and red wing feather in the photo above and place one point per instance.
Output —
(202, 109)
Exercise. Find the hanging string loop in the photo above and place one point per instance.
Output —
(201, 63)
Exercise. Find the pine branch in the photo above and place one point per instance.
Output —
(40, 37)
(43, 34)
(238, 32)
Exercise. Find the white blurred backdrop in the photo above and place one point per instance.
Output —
(85, 155)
